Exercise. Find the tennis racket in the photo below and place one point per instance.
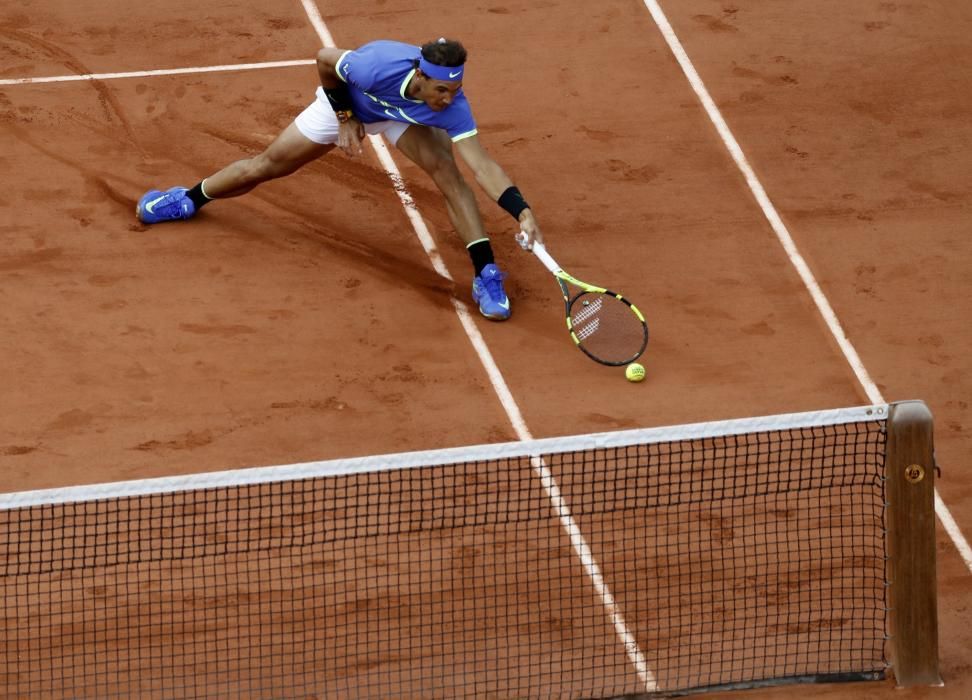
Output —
(606, 327)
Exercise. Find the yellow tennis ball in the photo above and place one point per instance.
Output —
(634, 372)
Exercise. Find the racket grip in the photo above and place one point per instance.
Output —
(540, 251)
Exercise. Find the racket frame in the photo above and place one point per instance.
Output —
(563, 279)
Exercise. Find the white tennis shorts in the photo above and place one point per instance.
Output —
(319, 123)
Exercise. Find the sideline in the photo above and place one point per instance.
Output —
(773, 217)
(583, 551)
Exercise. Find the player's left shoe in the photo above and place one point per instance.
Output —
(155, 206)
(488, 292)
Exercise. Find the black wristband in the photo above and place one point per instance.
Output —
(340, 98)
(513, 202)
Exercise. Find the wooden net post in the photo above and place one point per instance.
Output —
(910, 472)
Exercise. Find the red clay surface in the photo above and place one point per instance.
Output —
(304, 321)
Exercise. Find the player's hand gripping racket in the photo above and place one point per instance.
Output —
(605, 326)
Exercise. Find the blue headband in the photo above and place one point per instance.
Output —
(449, 74)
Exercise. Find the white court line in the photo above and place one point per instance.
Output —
(443, 456)
(151, 73)
(635, 654)
(769, 211)
(580, 546)
(476, 339)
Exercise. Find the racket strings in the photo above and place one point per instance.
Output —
(607, 328)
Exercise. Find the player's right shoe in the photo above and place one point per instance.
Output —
(156, 206)
(488, 292)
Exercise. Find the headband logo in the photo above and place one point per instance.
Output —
(437, 72)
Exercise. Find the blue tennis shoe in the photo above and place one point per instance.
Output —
(156, 206)
(488, 292)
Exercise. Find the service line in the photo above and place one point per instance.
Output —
(152, 73)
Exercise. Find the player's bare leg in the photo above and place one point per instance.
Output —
(431, 150)
(290, 151)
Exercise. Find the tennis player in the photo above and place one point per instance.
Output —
(414, 97)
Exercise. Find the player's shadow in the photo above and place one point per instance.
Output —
(301, 220)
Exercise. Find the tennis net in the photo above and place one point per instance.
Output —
(702, 556)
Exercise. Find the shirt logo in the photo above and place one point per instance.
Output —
(456, 74)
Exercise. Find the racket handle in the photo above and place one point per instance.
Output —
(540, 251)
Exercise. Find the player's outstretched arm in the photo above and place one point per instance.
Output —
(498, 185)
(350, 131)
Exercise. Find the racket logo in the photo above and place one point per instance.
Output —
(588, 310)
(587, 320)
(588, 330)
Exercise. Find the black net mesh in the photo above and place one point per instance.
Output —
(730, 560)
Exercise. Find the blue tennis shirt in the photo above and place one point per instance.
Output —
(377, 75)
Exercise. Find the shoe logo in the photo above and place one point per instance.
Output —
(505, 304)
(456, 74)
(149, 206)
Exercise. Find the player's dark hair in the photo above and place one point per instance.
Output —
(444, 52)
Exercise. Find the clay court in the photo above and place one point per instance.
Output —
(305, 321)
